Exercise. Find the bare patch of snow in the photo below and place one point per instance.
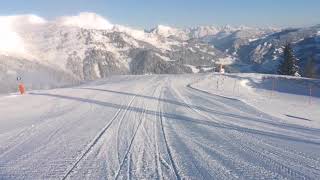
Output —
(205, 69)
(150, 38)
(192, 50)
(253, 39)
(165, 58)
(212, 53)
(193, 68)
(226, 61)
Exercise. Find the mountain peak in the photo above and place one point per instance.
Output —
(163, 30)
(85, 20)
(167, 31)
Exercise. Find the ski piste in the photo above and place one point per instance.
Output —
(160, 127)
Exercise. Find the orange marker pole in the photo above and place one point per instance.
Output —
(22, 88)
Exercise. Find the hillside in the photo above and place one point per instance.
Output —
(88, 47)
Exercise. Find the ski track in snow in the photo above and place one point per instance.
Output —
(149, 127)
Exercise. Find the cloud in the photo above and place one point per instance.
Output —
(14, 30)
(85, 20)
(24, 19)
(10, 40)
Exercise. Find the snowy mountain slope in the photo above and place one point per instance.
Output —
(266, 52)
(35, 75)
(152, 127)
(88, 46)
(207, 31)
(231, 41)
(259, 49)
(167, 32)
(99, 49)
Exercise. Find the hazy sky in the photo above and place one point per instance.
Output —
(148, 13)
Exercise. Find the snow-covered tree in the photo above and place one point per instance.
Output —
(289, 64)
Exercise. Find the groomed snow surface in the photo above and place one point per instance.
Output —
(205, 126)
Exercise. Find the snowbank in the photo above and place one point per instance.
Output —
(285, 97)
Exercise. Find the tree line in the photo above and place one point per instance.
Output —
(289, 64)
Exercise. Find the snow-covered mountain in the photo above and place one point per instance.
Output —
(87, 47)
(167, 31)
(264, 53)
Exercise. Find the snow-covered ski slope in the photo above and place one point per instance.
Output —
(157, 127)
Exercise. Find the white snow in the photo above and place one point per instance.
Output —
(254, 39)
(85, 20)
(203, 31)
(167, 31)
(211, 53)
(207, 68)
(165, 58)
(161, 127)
(289, 97)
(226, 61)
(97, 70)
(150, 38)
(51, 42)
(205, 50)
(193, 68)
(192, 50)
(11, 42)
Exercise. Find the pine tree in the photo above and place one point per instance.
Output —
(310, 68)
(289, 64)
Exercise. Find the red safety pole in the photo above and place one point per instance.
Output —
(22, 89)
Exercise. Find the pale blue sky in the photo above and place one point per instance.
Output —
(181, 13)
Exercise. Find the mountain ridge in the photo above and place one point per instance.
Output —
(88, 47)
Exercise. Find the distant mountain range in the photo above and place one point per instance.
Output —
(87, 47)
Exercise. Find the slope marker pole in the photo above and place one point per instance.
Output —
(218, 78)
(310, 94)
(273, 87)
(234, 87)
(239, 87)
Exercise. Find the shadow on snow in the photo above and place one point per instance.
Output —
(177, 117)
